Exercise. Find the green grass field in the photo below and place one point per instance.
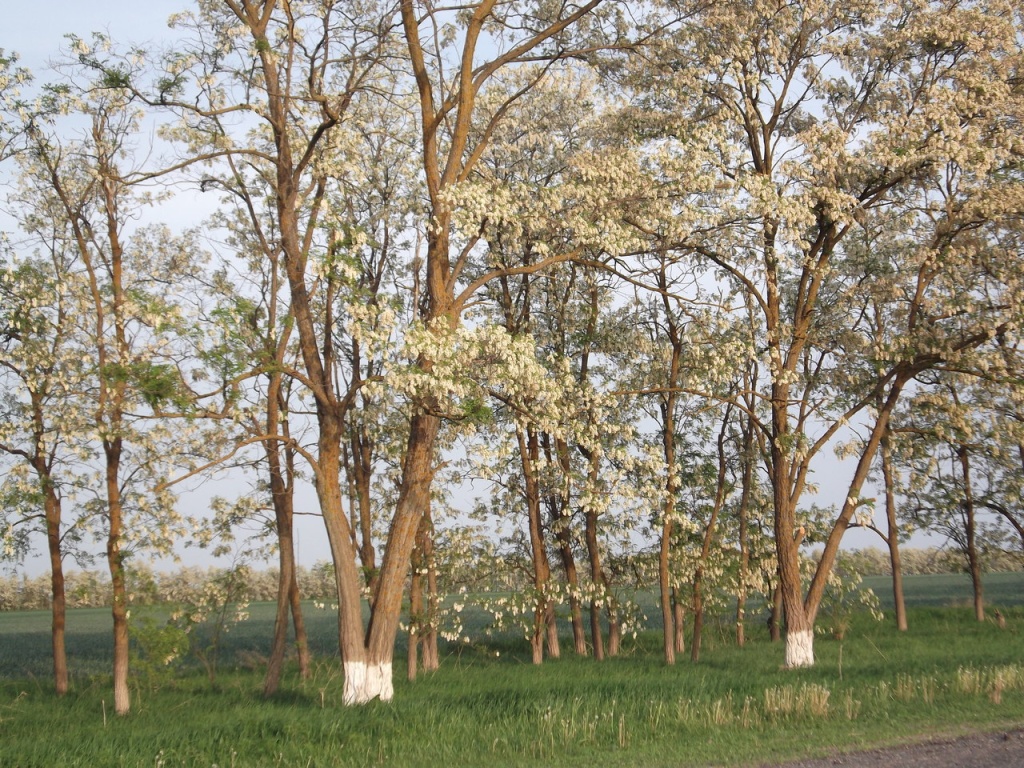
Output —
(488, 707)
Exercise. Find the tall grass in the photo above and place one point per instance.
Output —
(488, 707)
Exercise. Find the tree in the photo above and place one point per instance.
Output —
(821, 122)
(42, 374)
(122, 323)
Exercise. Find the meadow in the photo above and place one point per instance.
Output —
(488, 705)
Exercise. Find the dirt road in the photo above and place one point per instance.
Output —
(1002, 749)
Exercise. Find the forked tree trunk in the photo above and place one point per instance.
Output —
(801, 625)
(543, 612)
(368, 666)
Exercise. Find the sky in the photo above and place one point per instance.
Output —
(36, 30)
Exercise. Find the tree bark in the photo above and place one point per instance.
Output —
(892, 534)
(968, 510)
(560, 522)
(679, 621)
(743, 514)
(299, 622)
(115, 563)
(709, 533)
(529, 454)
(282, 497)
(58, 598)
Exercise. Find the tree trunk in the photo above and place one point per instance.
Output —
(665, 591)
(58, 598)
(416, 614)
(431, 658)
(892, 535)
(301, 641)
(601, 594)
(423, 613)
(698, 577)
(679, 622)
(968, 509)
(529, 453)
(560, 525)
(115, 563)
(668, 512)
(698, 615)
(747, 480)
(281, 492)
(614, 631)
(373, 678)
(775, 618)
(799, 625)
(361, 448)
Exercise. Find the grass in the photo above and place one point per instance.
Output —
(488, 706)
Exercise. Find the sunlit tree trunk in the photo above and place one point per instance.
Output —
(601, 594)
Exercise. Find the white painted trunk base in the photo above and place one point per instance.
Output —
(366, 682)
(800, 648)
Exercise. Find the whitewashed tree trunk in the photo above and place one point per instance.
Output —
(366, 681)
(800, 648)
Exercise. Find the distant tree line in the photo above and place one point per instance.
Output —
(91, 589)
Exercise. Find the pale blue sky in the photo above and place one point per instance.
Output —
(36, 30)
